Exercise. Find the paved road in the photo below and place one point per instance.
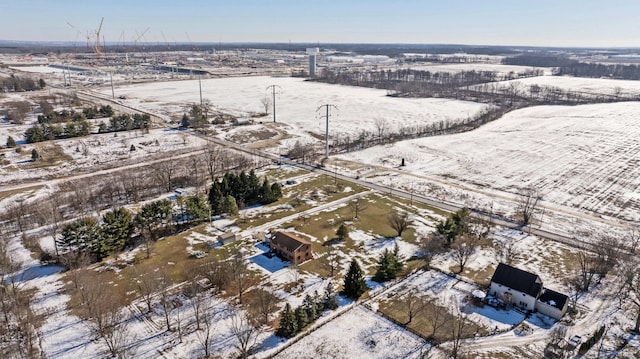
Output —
(442, 205)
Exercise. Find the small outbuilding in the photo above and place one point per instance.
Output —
(228, 237)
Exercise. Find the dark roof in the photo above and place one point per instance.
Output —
(517, 279)
(289, 240)
(553, 298)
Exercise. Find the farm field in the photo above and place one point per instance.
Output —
(297, 102)
(582, 157)
(578, 84)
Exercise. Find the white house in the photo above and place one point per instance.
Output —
(525, 290)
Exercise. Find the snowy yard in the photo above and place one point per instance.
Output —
(360, 333)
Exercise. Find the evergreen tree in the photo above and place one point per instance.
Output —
(117, 228)
(83, 235)
(197, 208)
(342, 232)
(276, 190)
(301, 318)
(354, 284)
(389, 265)
(216, 198)
(34, 134)
(11, 142)
(330, 298)
(266, 195)
(384, 271)
(35, 155)
(397, 264)
(288, 324)
(229, 205)
(310, 309)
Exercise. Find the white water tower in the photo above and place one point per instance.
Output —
(312, 52)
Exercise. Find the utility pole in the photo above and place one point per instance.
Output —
(113, 94)
(200, 84)
(273, 91)
(326, 133)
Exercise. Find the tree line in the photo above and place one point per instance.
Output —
(293, 321)
(14, 83)
(421, 83)
(235, 191)
(564, 66)
(96, 239)
(69, 123)
(126, 122)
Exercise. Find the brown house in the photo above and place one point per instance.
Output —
(291, 247)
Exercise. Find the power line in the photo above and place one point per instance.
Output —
(326, 134)
(273, 90)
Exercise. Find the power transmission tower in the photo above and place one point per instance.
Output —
(273, 91)
(326, 134)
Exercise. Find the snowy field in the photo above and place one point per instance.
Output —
(582, 157)
(579, 84)
(360, 333)
(455, 68)
(297, 103)
(88, 151)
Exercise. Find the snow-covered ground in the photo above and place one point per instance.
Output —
(297, 103)
(581, 157)
(454, 68)
(359, 333)
(578, 84)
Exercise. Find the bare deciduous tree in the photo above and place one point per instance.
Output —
(506, 251)
(164, 293)
(266, 104)
(430, 246)
(413, 305)
(463, 248)
(146, 285)
(209, 319)
(629, 276)
(246, 334)
(527, 205)
(165, 172)
(358, 205)
(399, 221)
(241, 276)
(381, 126)
(436, 317)
(264, 303)
(458, 332)
(332, 260)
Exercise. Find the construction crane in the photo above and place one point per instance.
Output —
(96, 48)
(75, 42)
(135, 42)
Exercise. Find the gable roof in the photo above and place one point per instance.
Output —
(517, 279)
(553, 298)
(289, 240)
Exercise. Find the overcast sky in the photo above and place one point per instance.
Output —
(600, 23)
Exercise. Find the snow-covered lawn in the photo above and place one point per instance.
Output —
(359, 333)
(583, 156)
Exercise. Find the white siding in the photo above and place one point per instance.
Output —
(520, 299)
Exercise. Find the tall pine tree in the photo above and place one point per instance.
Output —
(288, 323)
(354, 284)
